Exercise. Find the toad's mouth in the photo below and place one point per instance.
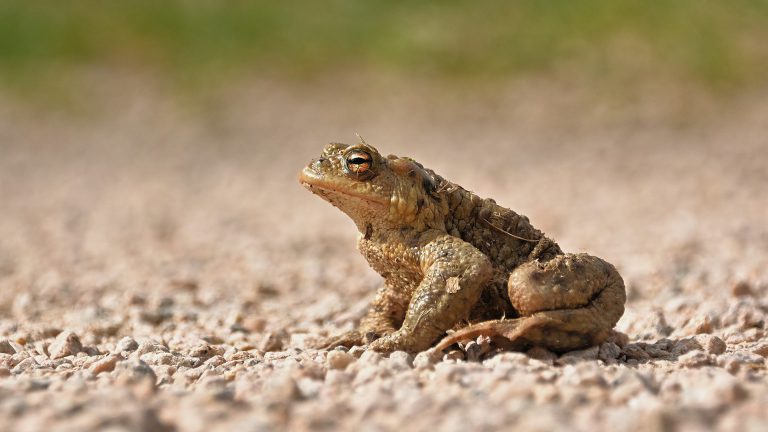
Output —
(324, 186)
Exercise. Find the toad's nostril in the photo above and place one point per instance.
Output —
(317, 163)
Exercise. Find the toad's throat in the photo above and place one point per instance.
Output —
(311, 180)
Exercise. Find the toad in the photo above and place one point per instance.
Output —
(453, 261)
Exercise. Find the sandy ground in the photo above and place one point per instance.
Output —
(161, 269)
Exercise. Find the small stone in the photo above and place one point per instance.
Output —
(214, 361)
(254, 324)
(542, 354)
(608, 351)
(702, 325)
(454, 355)
(6, 348)
(545, 393)
(356, 351)
(738, 361)
(66, 344)
(206, 351)
(583, 375)
(635, 352)
(761, 349)
(399, 361)
(684, 345)
(477, 348)
(742, 289)
(126, 344)
(658, 322)
(713, 344)
(656, 352)
(148, 346)
(710, 390)
(425, 359)
(339, 359)
(42, 348)
(370, 357)
(619, 338)
(135, 371)
(157, 358)
(107, 364)
(280, 387)
(695, 358)
(578, 356)
(271, 342)
(309, 388)
(508, 359)
(24, 365)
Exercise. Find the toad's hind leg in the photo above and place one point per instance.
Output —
(569, 302)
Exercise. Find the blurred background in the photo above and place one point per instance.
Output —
(149, 153)
(143, 127)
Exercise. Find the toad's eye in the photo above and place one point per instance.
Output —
(358, 162)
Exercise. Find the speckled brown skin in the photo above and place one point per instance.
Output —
(450, 258)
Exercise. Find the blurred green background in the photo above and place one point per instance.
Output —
(719, 46)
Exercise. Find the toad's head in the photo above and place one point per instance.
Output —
(376, 191)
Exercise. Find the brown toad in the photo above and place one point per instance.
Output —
(450, 258)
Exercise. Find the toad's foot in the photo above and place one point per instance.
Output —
(569, 302)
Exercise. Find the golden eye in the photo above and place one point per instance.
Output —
(358, 162)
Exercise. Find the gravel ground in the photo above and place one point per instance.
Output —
(161, 268)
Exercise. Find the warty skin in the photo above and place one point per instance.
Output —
(452, 260)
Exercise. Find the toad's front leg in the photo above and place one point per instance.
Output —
(455, 273)
(384, 317)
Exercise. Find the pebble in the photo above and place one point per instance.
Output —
(148, 346)
(695, 358)
(66, 343)
(26, 364)
(309, 388)
(739, 361)
(158, 358)
(280, 387)
(573, 357)
(370, 357)
(107, 364)
(206, 351)
(399, 361)
(271, 342)
(476, 349)
(741, 289)
(425, 359)
(356, 351)
(761, 349)
(338, 359)
(635, 352)
(126, 344)
(702, 325)
(516, 359)
(709, 389)
(6, 348)
(453, 355)
(619, 338)
(713, 344)
(134, 371)
(609, 351)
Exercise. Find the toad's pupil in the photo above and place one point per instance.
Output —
(357, 160)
